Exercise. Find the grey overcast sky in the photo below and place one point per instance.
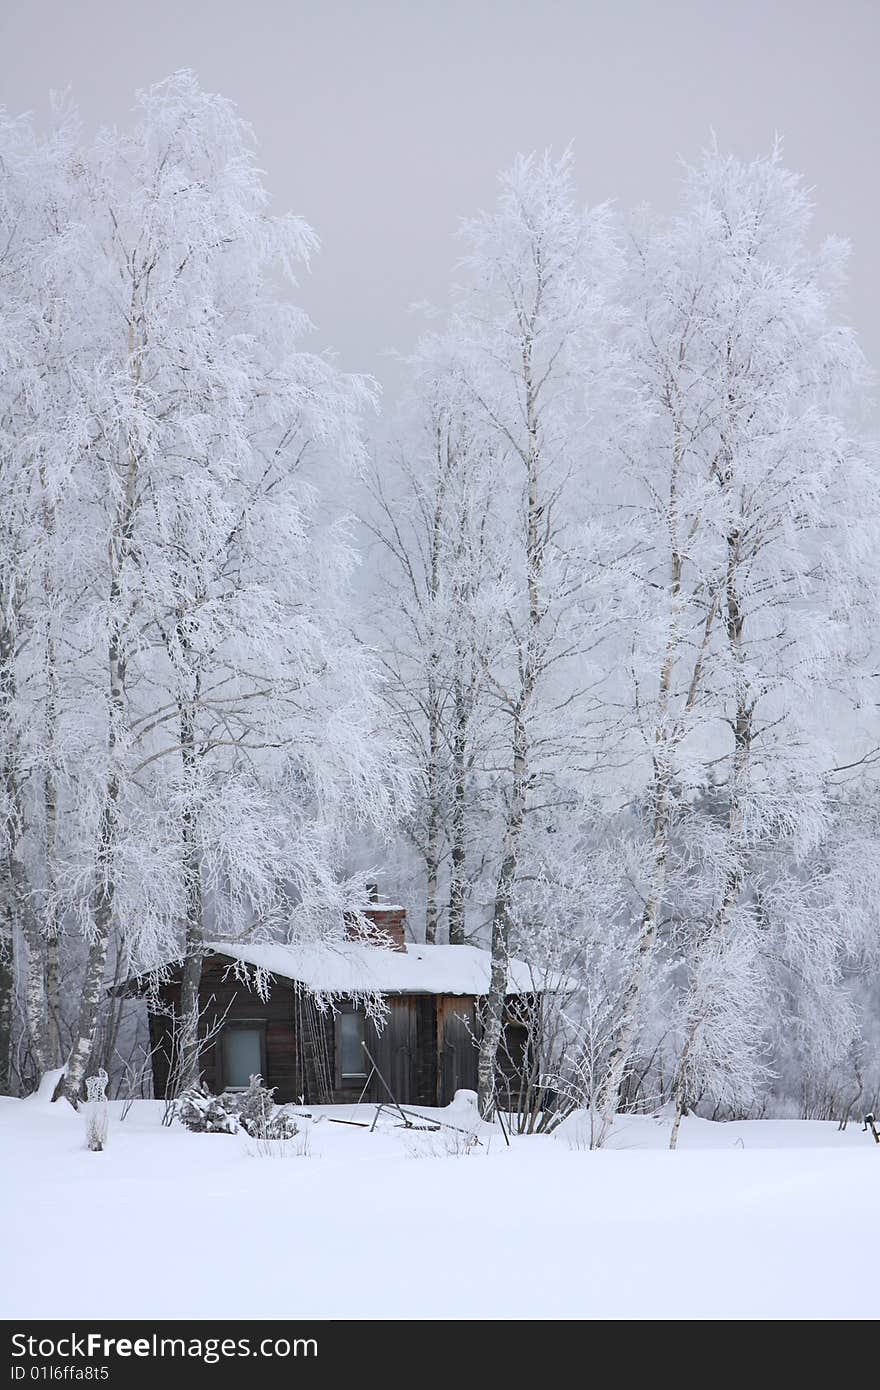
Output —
(383, 121)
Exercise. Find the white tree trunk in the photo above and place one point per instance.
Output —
(7, 988)
(188, 1050)
(119, 550)
(743, 728)
(493, 1007)
(458, 835)
(668, 732)
(432, 831)
(536, 530)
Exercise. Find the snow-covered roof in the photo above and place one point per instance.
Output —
(353, 967)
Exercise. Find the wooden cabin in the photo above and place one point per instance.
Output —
(312, 1033)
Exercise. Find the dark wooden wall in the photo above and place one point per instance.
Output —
(301, 1041)
(426, 1050)
(225, 999)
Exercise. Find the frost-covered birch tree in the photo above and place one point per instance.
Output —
(795, 505)
(439, 599)
(43, 432)
(671, 642)
(754, 509)
(228, 725)
(263, 716)
(535, 315)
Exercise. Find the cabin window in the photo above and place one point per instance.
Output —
(242, 1055)
(350, 1041)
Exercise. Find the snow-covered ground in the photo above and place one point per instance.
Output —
(764, 1219)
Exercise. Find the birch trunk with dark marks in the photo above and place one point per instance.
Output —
(103, 901)
(35, 1010)
(91, 996)
(184, 659)
(502, 921)
(731, 889)
(188, 1049)
(21, 900)
(29, 925)
(92, 989)
(433, 826)
(7, 988)
(7, 982)
(434, 821)
(536, 530)
(458, 829)
(51, 925)
(466, 683)
(668, 732)
(115, 1009)
(7, 906)
(421, 690)
(54, 1012)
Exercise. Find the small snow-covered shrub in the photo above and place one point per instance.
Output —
(254, 1106)
(252, 1110)
(258, 1114)
(282, 1126)
(203, 1113)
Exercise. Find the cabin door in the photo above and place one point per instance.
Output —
(456, 1046)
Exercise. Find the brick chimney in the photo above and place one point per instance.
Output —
(387, 919)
